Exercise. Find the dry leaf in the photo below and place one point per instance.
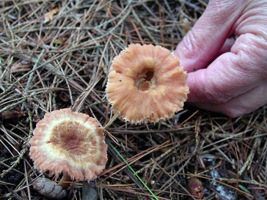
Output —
(49, 15)
(18, 67)
(186, 26)
(60, 41)
(11, 115)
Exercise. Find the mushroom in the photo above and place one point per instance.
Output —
(154, 80)
(70, 143)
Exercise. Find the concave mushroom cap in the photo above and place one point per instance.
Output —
(154, 79)
(71, 143)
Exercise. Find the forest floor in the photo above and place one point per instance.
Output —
(57, 54)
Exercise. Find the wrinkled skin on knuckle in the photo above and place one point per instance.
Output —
(251, 27)
(215, 94)
(224, 10)
(211, 89)
(252, 55)
(252, 19)
(189, 45)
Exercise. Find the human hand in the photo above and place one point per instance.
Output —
(226, 75)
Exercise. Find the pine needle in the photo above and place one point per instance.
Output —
(133, 171)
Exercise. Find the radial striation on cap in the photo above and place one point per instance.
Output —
(70, 143)
(154, 79)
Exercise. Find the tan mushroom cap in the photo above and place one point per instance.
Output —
(70, 143)
(154, 79)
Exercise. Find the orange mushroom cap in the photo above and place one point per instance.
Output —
(154, 79)
(71, 143)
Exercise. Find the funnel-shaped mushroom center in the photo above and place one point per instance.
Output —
(146, 81)
(70, 136)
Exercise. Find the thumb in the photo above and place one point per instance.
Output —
(208, 35)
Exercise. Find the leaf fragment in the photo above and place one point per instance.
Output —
(49, 15)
